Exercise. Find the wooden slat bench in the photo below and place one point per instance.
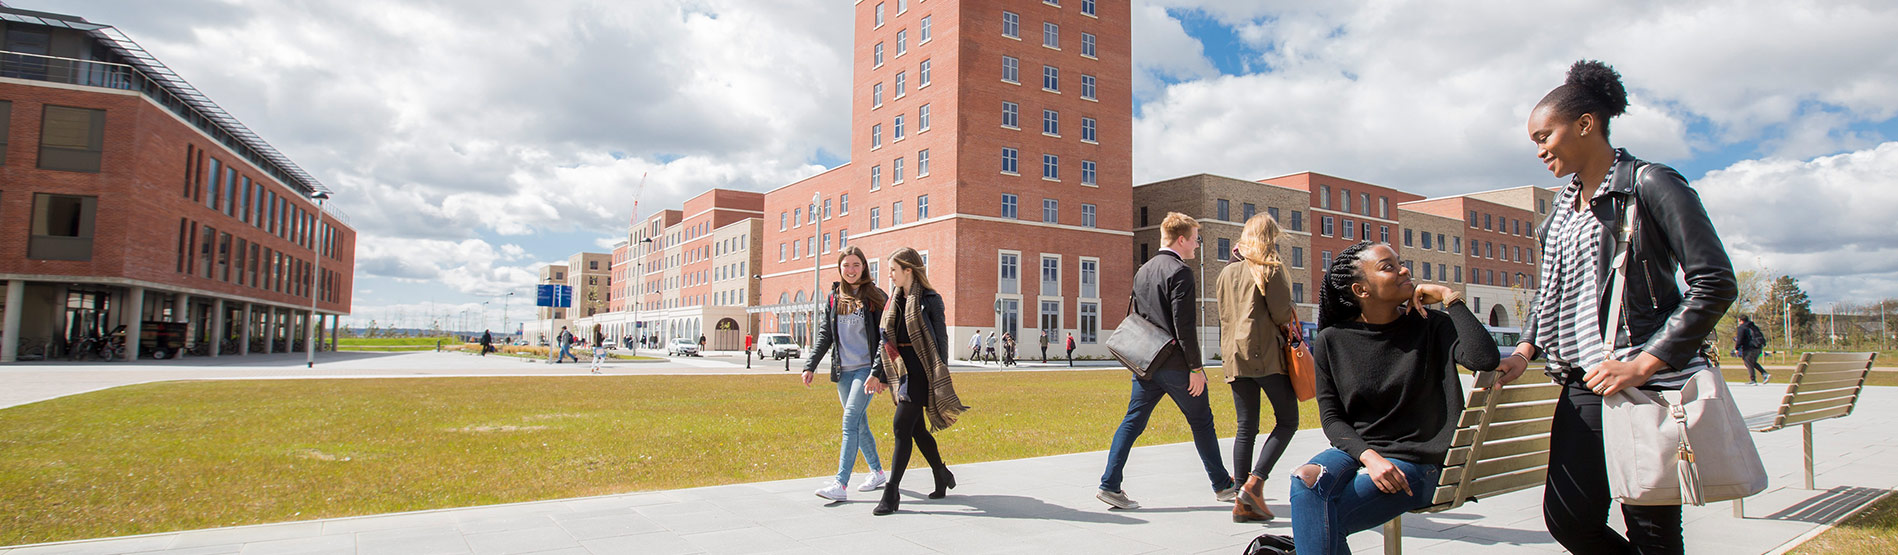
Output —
(1501, 446)
(1824, 386)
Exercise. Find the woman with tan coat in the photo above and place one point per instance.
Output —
(1255, 302)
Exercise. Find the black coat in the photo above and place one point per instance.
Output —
(827, 337)
(1671, 232)
(1164, 290)
(933, 319)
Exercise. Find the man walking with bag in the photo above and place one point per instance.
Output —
(1164, 294)
(1748, 340)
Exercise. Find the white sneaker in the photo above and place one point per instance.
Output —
(874, 481)
(834, 493)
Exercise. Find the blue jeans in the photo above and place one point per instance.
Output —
(1199, 415)
(567, 351)
(857, 436)
(1343, 502)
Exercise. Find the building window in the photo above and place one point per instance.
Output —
(1384, 207)
(876, 95)
(922, 207)
(896, 131)
(1088, 175)
(1143, 219)
(1350, 230)
(902, 83)
(1344, 200)
(1324, 260)
(922, 118)
(72, 139)
(1298, 257)
(210, 182)
(1011, 115)
(922, 162)
(1298, 220)
(876, 136)
(1051, 35)
(1090, 279)
(1011, 25)
(1009, 208)
(1224, 251)
(922, 31)
(1050, 276)
(1087, 130)
(1364, 203)
(1383, 233)
(62, 227)
(876, 179)
(1011, 69)
(797, 217)
(826, 216)
(902, 42)
(1426, 239)
(1442, 245)
(1051, 167)
(896, 171)
(1050, 123)
(1087, 87)
(1324, 197)
(1325, 226)
(1087, 45)
(1087, 7)
(879, 14)
(1457, 245)
(1050, 210)
(1087, 218)
(1426, 271)
(1489, 222)
(876, 56)
(896, 213)
(1010, 268)
(1050, 78)
(1223, 207)
(1473, 219)
(1011, 161)
(1090, 323)
(922, 74)
(6, 126)
(1459, 274)
(1246, 211)
(876, 220)
(843, 206)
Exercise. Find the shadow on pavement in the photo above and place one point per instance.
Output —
(1828, 505)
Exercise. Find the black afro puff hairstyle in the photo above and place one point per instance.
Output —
(1592, 87)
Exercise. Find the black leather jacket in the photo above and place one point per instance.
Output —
(933, 311)
(1671, 232)
(827, 337)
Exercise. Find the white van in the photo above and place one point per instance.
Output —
(777, 346)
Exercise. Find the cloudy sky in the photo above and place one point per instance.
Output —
(469, 141)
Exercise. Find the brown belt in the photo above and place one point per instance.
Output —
(903, 344)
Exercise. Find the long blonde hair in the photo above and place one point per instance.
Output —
(912, 260)
(1258, 246)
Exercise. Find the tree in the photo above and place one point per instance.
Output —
(1782, 294)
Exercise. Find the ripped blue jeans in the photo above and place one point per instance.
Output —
(1343, 501)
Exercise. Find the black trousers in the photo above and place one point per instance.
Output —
(1245, 401)
(1576, 498)
(912, 426)
(1751, 357)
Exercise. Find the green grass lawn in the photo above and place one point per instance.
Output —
(184, 455)
(1873, 530)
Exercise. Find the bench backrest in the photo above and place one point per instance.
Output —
(1825, 385)
(1501, 443)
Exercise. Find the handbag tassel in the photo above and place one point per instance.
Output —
(1684, 462)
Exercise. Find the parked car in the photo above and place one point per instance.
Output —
(682, 347)
(777, 346)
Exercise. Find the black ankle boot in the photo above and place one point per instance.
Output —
(945, 480)
(888, 504)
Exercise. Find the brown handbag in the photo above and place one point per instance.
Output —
(1298, 362)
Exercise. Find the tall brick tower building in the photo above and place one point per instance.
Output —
(993, 136)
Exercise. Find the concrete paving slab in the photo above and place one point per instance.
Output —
(437, 540)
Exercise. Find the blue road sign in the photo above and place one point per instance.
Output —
(554, 296)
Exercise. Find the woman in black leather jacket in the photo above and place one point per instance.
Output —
(1658, 347)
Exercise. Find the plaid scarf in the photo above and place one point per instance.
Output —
(944, 406)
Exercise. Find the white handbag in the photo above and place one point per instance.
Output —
(1693, 449)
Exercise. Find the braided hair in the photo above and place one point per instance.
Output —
(1336, 304)
(1591, 88)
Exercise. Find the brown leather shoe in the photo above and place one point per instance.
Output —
(1251, 503)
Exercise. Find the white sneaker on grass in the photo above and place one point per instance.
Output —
(835, 492)
(872, 482)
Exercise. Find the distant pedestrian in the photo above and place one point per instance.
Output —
(748, 346)
(1749, 340)
(1008, 349)
(566, 340)
(992, 340)
(1070, 349)
(1044, 346)
(487, 342)
(975, 346)
(599, 348)
(701, 344)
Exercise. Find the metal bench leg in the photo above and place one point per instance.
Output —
(1394, 536)
(1807, 430)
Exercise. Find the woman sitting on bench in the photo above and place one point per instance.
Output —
(1388, 395)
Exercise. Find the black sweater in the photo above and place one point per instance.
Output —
(1393, 388)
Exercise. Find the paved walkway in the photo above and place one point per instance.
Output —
(1039, 505)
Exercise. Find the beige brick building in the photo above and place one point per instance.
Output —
(590, 276)
(1427, 247)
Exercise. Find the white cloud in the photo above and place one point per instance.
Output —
(1826, 220)
(1162, 50)
(468, 266)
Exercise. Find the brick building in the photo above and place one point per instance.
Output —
(996, 137)
(129, 198)
(679, 273)
(1432, 247)
(1499, 252)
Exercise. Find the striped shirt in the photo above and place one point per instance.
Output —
(1568, 322)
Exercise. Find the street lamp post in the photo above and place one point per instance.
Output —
(817, 272)
(316, 264)
(639, 290)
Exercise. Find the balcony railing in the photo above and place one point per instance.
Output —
(54, 69)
